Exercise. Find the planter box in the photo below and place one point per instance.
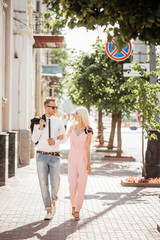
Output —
(101, 146)
(133, 128)
(107, 150)
(133, 184)
(128, 159)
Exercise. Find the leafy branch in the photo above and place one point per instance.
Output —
(147, 102)
(125, 20)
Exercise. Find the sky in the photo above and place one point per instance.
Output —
(82, 39)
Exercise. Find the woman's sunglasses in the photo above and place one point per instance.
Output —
(53, 107)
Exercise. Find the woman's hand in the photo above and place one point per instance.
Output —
(89, 168)
(60, 137)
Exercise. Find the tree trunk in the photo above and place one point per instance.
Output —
(119, 139)
(100, 127)
(111, 138)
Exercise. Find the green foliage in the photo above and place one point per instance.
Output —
(54, 25)
(47, 15)
(126, 19)
(147, 102)
(60, 56)
(53, 21)
(96, 80)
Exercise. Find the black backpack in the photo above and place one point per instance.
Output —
(88, 130)
(36, 120)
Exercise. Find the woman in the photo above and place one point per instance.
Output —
(65, 120)
(79, 159)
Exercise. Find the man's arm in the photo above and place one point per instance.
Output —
(37, 131)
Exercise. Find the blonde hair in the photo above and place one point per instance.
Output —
(48, 100)
(83, 113)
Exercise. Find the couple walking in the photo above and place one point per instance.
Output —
(50, 134)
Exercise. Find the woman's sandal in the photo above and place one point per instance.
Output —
(73, 211)
(77, 218)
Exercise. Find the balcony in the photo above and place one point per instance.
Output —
(38, 24)
(44, 39)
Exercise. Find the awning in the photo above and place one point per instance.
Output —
(48, 42)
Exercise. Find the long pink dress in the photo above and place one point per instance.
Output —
(77, 169)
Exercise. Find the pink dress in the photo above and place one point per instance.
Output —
(77, 169)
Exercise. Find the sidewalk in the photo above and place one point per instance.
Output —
(110, 211)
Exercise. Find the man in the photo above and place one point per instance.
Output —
(50, 135)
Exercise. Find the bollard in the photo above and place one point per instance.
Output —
(4, 143)
(13, 156)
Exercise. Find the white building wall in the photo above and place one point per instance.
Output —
(15, 93)
(22, 100)
(6, 51)
(31, 86)
(2, 63)
(1, 58)
(17, 74)
(7, 112)
(21, 78)
(23, 68)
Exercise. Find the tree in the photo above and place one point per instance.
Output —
(60, 56)
(147, 102)
(96, 80)
(127, 19)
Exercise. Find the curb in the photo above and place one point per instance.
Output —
(106, 150)
(103, 146)
(133, 184)
(129, 159)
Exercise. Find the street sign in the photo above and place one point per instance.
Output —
(113, 54)
(129, 72)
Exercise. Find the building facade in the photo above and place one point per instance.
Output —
(17, 79)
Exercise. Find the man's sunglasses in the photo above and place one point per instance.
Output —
(53, 107)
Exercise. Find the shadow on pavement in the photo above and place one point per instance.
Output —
(61, 232)
(24, 232)
(113, 196)
(115, 169)
(104, 167)
(134, 195)
(34, 230)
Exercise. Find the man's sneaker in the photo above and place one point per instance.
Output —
(48, 216)
(53, 210)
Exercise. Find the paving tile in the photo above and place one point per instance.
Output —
(110, 211)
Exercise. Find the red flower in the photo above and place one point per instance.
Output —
(142, 180)
(113, 156)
